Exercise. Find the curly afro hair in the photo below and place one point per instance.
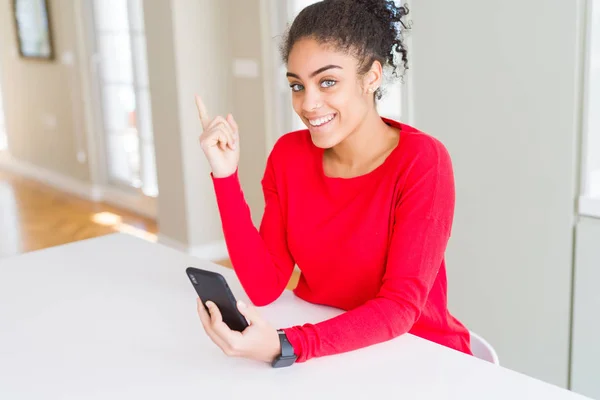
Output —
(370, 30)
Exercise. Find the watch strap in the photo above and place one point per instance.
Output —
(287, 350)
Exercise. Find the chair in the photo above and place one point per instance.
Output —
(482, 349)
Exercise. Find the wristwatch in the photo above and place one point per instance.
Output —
(287, 356)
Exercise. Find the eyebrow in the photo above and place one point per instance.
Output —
(317, 72)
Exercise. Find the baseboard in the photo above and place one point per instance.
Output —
(212, 251)
(170, 242)
(589, 206)
(142, 205)
(116, 197)
(46, 176)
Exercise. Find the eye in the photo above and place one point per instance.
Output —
(296, 87)
(328, 83)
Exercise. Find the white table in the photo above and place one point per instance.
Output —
(115, 318)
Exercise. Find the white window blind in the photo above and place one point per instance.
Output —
(125, 94)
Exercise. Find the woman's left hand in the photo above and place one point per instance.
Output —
(259, 341)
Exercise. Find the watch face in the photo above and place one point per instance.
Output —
(283, 362)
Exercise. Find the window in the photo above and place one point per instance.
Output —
(590, 199)
(392, 105)
(125, 96)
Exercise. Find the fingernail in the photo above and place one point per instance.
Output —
(242, 304)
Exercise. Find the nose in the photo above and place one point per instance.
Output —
(312, 100)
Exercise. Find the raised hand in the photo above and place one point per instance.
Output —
(219, 141)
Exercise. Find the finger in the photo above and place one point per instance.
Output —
(229, 123)
(220, 327)
(216, 121)
(206, 323)
(234, 128)
(229, 128)
(222, 121)
(233, 124)
(204, 317)
(215, 313)
(216, 136)
(202, 112)
(250, 312)
(222, 140)
(223, 127)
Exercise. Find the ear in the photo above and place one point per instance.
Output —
(373, 78)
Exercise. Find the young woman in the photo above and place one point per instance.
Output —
(362, 204)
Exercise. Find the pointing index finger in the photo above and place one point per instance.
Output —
(202, 112)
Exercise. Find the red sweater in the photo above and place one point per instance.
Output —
(372, 245)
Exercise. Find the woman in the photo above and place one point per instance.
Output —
(362, 204)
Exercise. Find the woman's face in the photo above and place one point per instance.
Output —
(327, 93)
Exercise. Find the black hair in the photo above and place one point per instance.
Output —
(371, 30)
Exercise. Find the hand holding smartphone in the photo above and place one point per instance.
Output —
(213, 286)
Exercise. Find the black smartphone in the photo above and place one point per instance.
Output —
(213, 286)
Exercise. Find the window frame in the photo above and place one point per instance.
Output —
(140, 90)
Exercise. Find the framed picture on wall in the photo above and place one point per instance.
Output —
(32, 21)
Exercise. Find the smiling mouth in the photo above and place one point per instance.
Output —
(321, 121)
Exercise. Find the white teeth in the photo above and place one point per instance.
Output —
(322, 120)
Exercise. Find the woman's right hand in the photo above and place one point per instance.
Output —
(219, 141)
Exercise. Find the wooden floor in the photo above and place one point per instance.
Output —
(34, 216)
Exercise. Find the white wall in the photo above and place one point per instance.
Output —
(42, 101)
(202, 53)
(497, 82)
(191, 49)
(188, 53)
(249, 100)
(172, 212)
(585, 378)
